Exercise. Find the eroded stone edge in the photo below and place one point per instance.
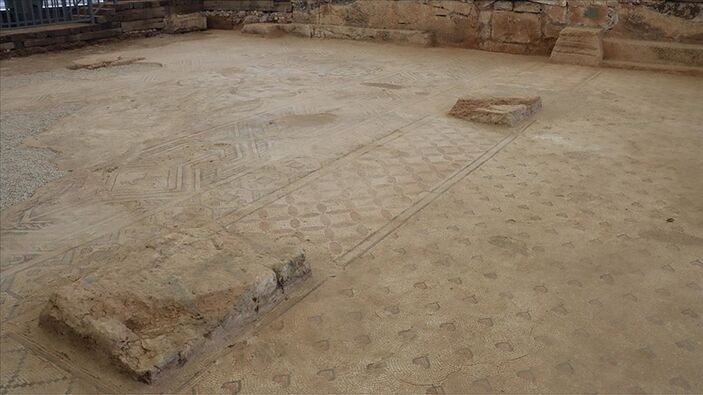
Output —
(286, 274)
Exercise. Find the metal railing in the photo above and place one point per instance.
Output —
(22, 13)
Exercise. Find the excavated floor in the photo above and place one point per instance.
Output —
(563, 255)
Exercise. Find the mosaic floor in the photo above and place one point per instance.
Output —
(564, 255)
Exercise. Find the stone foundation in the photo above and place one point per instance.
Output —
(406, 37)
(27, 41)
(157, 304)
(517, 26)
(513, 26)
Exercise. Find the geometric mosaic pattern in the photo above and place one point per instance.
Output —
(454, 257)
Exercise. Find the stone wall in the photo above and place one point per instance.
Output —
(515, 26)
(679, 21)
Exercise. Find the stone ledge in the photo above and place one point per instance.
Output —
(661, 52)
(143, 24)
(408, 37)
(138, 14)
(153, 306)
(658, 67)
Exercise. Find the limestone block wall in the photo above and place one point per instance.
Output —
(515, 26)
(678, 21)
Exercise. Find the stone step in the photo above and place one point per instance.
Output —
(249, 5)
(51, 31)
(138, 14)
(109, 11)
(143, 24)
(71, 38)
(661, 67)
(103, 18)
(579, 45)
(652, 52)
(135, 4)
(408, 37)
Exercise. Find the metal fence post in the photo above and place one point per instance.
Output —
(90, 11)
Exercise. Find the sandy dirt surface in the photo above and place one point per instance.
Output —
(562, 255)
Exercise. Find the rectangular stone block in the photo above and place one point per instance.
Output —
(242, 5)
(219, 22)
(147, 24)
(132, 5)
(496, 111)
(556, 14)
(513, 48)
(560, 3)
(588, 15)
(657, 52)
(48, 41)
(513, 27)
(185, 23)
(141, 14)
(579, 45)
(100, 34)
(527, 6)
(397, 36)
(154, 305)
(503, 5)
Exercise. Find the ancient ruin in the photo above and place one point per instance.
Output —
(351, 196)
(168, 298)
(508, 111)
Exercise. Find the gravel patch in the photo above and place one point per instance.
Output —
(24, 169)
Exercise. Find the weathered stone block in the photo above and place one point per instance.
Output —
(555, 14)
(497, 111)
(513, 48)
(503, 5)
(185, 23)
(48, 41)
(588, 15)
(551, 30)
(219, 22)
(147, 24)
(485, 24)
(153, 306)
(397, 36)
(141, 14)
(560, 3)
(653, 52)
(579, 45)
(270, 29)
(527, 6)
(515, 27)
(680, 22)
(97, 35)
(248, 5)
